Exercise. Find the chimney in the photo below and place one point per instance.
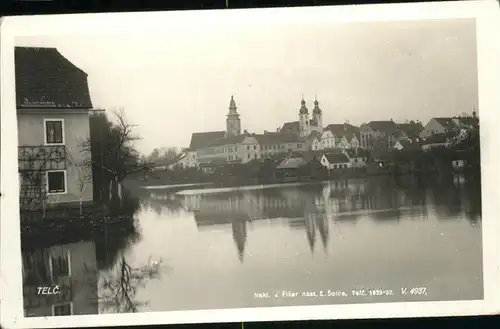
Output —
(474, 114)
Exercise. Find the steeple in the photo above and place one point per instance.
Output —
(316, 109)
(303, 108)
(232, 105)
(233, 121)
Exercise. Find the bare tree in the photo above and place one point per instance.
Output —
(84, 178)
(113, 151)
(34, 162)
(118, 287)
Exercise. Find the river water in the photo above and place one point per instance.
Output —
(356, 241)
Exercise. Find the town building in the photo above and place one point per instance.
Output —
(436, 141)
(335, 161)
(380, 134)
(235, 146)
(452, 125)
(358, 157)
(53, 105)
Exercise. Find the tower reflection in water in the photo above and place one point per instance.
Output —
(315, 208)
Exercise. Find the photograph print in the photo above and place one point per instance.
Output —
(252, 167)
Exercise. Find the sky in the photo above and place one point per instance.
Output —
(173, 83)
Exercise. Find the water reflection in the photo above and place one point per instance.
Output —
(67, 268)
(314, 207)
(381, 232)
(85, 270)
(227, 245)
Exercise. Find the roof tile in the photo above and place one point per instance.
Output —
(46, 79)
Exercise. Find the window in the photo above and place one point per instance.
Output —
(54, 131)
(60, 265)
(62, 309)
(56, 182)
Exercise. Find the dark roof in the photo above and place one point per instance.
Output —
(436, 139)
(292, 163)
(383, 126)
(336, 157)
(314, 134)
(229, 140)
(342, 129)
(411, 129)
(411, 143)
(469, 121)
(447, 123)
(46, 79)
(357, 153)
(291, 127)
(277, 138)
(205, 139)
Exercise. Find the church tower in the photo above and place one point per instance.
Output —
(233, 121)
(303, 118)
(317, 116)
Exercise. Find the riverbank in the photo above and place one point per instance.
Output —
(244, 188)
(67, 225)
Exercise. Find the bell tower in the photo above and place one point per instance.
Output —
(303, 118)
(233, 121)
(317, 117)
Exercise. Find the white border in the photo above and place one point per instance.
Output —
(45, 131)
(65, 172)
(487, 19)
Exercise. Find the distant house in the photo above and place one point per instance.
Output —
(408, 144)
(299, 167)
(453, 125)
(438, 126)
(280, 142)
(53, 105)
(342, 136)
(335, 161)
(411, 129)
(357, 157)
(435, 141)
(188, 159)
(376, 134)
(292, 127)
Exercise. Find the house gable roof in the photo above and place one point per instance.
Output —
(383, 126)
(291, 127)
(336, 157)
(45, 79)
(436, 139)
(205, 139)
(447, 123)
(342, 129)
(412, 129)
(277, 138)
(357, 153)
(292, 163)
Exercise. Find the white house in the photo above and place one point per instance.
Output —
(327, 140)
(408, 144)
(316, 144)
(335, 161)
(357, 157)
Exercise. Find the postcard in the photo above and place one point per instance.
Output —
(250, 165)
